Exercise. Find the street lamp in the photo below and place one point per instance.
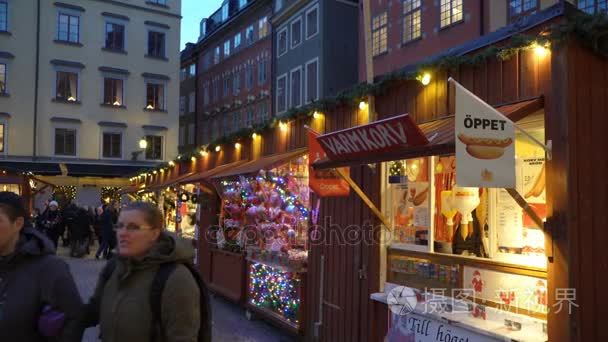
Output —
(143, 143)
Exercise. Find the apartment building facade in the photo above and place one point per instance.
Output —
(315, 50)
(233, 56)
(408, 31)
(84, 82)
(187, 99)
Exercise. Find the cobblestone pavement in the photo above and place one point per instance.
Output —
(229, 322)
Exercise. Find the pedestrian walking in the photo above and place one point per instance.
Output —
(38, 298)
(52, 222)
(108, 237)
(150, 291)
(97, 224)
(68, 218)
(80, 234)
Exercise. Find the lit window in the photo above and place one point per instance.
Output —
(263, 27)
(282, 42)
(296, 87)
(225, 12)
(65, 142)
(282, 94)
(154, 151)
(451, 12)
(242, 3)
(227, 48)
(237, 40)
(2, 78)
(296, 33)
(379, 34)
(68, 28)
(113, 91)
(192, 70)
(115, 36)
(155, 94)
(412, 13)
(112, 145)
(3, 16)
(249, 34)
(312, 81)
(312, 22)
(2, 135)
(156, 44)
(67, 86)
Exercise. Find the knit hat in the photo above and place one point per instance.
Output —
(54, 203)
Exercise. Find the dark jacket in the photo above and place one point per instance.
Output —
(121, 306)
(107, 225)
(81, 229)
(31, 278)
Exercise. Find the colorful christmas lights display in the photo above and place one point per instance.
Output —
(275, 290)
(268, 214)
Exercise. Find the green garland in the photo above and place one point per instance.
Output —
(591, 30)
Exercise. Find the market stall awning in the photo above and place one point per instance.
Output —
(128, 190)
(264, 163)
(170, 182)
(46, 169)
(439, 133)
(101, 170)
(205, 175)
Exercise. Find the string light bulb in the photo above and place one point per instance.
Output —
(362, 105)
(218, 148)
(193, 158)
(254, 136)
(237, 146)
(171, 163)
(425, 78)
(204, 153)
(283, 126)
(316, 115)
(540, 50)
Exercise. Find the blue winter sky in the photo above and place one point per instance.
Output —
(192, 12)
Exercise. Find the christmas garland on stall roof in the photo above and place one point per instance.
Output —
(591, 31)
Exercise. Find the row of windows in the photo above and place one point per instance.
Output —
(311, 19)
(289, 89)
(67, 89)
(229, 123)
(234, 44)
(234, 83)
(191, 103)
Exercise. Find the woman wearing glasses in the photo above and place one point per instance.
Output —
(149, 291)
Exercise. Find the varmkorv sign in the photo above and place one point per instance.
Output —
(383, 136)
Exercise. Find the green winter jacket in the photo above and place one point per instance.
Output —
(121, 306)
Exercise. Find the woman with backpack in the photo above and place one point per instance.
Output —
(149, 292)
(38, 298)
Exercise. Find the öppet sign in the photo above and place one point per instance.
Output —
(325, 183)
(485, 143)
(381, 136)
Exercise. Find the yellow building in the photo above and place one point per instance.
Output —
(82, 82)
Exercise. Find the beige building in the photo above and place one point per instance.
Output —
(83, 81)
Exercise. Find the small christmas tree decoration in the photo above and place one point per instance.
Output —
(396, 172)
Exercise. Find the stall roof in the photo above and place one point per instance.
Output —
(440, 134)
(264, 163)
(45, 169)
(197, 177)
(128, 190)
(170, 182)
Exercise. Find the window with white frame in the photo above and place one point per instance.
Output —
(312, 22)
(68, 28)
(154, 150)
(282, 93)
(182, 105)
(216, 55)
(2, 137)
(65, 142)
(379, 34)
(192, 70)
(225, 11)
(115, 36)
(249, 77)
(111, 145)
(113, 91)
(3, 72)
(236, 83)
(262, 72)
(263, 28)
(237, 40)
(450, 12)
(191, 134)
(3, 16)
(182, 135)
(296, 33)
(66, 88)
(593, 6)
(226, 48)
(191, 102)
(156, 44)
(296, 87)
(412, 13)
(249, 34)
(312, 80)
(282, 42)
(155, 96)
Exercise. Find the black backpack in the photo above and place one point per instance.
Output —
(156, 293)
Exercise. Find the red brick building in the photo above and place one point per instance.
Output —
(234, 57)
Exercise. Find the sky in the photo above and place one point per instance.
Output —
(192, 13)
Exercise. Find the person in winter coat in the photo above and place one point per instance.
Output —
(32, 277)
(121, 303)
(108, 238)
(52, 223)
(81, 231)
(97, 224)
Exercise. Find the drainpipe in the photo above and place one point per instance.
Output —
(35, 152)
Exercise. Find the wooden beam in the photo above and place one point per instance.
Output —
(526, 207)
(364, 198)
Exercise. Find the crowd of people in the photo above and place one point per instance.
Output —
(79, 227)
(149, 291)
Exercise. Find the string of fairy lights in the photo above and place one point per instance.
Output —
(275, 290)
